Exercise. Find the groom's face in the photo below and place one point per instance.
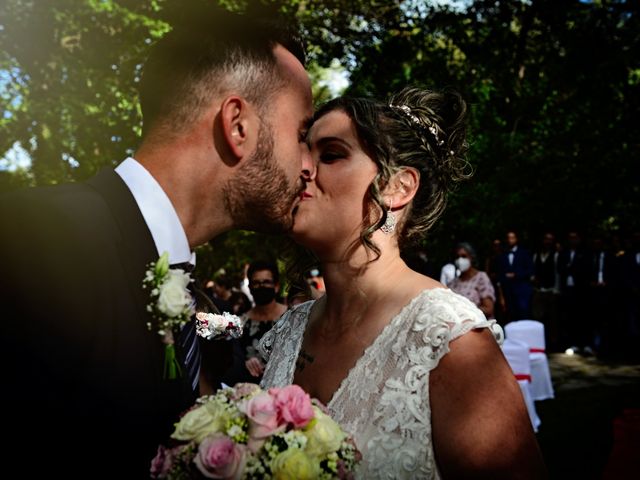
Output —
(267, 189)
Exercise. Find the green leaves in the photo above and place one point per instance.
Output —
(553, 93)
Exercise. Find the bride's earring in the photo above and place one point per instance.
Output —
(389, 225)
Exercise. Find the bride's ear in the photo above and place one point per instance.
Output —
(238, 126)
(402, 187)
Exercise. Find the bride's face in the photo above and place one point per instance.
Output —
(330, 215)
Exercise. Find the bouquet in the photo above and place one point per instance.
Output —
(245, 432)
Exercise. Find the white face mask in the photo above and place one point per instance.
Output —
(463, 264)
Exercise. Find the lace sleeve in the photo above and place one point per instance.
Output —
(466, 317)
(446, 317)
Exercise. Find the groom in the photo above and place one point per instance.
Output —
(225, 108)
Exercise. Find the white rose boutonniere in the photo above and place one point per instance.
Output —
(174, 296)
(171, 306)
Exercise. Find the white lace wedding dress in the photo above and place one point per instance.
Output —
(384, 400)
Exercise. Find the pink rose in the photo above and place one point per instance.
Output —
(219, 457)
(262, 412)
(161, 464)
(294, 405)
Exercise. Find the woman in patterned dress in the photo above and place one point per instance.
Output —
(379, 347)
(472, 283)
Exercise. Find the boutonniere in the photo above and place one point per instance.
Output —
(170, 305)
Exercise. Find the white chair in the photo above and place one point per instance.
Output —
(531, 332)
(517, 355)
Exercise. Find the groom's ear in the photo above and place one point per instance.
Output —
(239, 126)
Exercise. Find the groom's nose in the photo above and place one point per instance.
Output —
(308, 165)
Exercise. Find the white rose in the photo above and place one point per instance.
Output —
(197, 424)
(174, 296)
(218, 322)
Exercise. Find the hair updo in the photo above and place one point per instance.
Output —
(418, 128)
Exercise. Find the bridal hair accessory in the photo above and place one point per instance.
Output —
(406, 111)
(248, 433)
(389, 224)
(171, 307)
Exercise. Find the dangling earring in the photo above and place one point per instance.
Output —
(389, 225)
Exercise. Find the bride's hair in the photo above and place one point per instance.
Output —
(417, 128)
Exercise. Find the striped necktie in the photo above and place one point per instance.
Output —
(187, 340)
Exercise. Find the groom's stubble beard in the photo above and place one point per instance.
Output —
(260, 197)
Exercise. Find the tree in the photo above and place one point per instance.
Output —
(553, 91)
(552, 86)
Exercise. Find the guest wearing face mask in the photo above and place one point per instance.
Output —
(473, 283)
(264, 287)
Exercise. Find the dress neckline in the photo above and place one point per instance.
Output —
(367, 351)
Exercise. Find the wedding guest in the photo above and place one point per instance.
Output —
(315, 282)
(221, 292)
(410, 368)
(448, 273)
(546, 281)
(573, 270)
(240, 303)
(473, 283)
(299, 293)
(631, 298)
(225, 100)
(602, 279)
(515, 273)
(264, 283)
(492, 267)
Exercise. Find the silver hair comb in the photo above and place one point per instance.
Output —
(406, 111)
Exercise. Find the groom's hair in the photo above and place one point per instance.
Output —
(209, 54)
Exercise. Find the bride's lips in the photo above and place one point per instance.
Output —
(304, 195)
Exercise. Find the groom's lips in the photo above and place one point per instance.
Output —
(304, 195)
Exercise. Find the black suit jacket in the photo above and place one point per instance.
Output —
(578, 268)
(83, 384)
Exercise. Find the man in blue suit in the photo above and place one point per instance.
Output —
(516, 271)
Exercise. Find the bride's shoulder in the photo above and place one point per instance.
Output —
(441, 306)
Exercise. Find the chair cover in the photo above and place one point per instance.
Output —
(531, 332)
(517, 355)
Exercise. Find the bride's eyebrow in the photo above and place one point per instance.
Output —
(327, 140)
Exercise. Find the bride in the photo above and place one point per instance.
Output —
(378, 349)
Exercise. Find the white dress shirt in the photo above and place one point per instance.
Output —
(601, 268)
(158, 212)
(570, 281)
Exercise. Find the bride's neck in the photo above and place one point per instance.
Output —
(355, 287)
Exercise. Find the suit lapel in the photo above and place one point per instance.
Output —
(137, 250)
(137, 247)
